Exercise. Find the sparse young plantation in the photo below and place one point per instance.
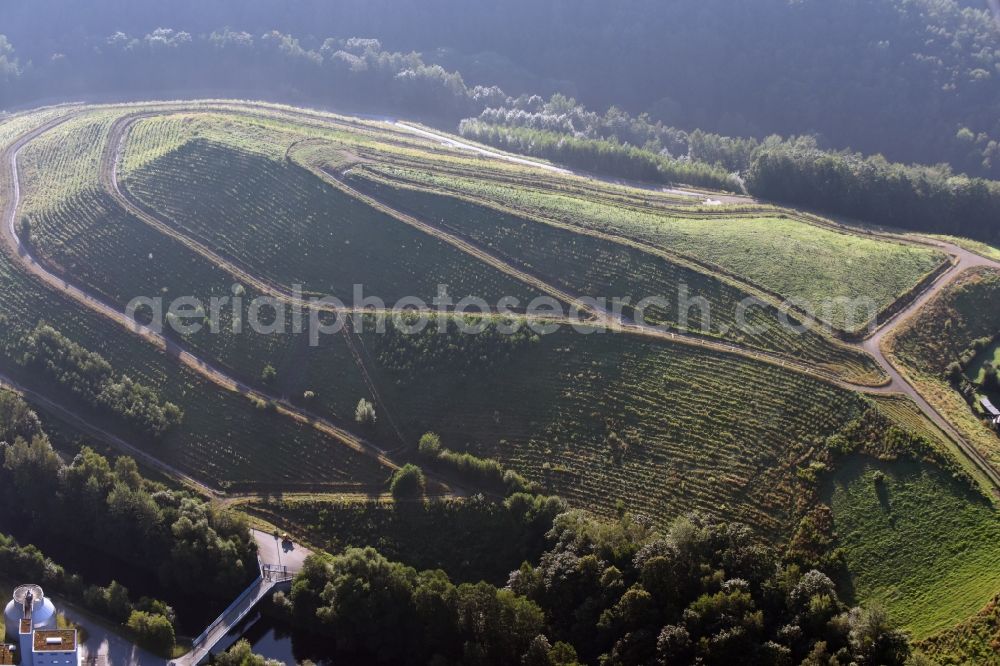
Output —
(797, 260)
(601, 419)
(224, 439)
(289, 227)
(88, 236)
(599, 268)
(628, 423)
(905, 412)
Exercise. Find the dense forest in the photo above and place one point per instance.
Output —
(616, 593)
(191, 549)
(911, 197)
(915, 80)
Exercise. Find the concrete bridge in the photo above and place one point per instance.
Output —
(279, 563)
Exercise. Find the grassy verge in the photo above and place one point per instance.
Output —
(974, 641)
(916, 540)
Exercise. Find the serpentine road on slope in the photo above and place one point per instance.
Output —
(962, 260)
(202, 367)
(897, 384)
(599, 318)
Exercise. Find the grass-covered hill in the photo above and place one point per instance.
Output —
(917, 540)
(763, 247)
(213, 191)
(236, 200)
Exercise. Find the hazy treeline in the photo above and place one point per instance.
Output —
(924, 198)
(794, 171)
(442, 344)
(915, 80)
(352, 73)
(564, 115)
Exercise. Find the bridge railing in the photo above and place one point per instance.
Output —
(222, 616)
(277, 573)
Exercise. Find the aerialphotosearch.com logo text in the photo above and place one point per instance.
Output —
(297, 312)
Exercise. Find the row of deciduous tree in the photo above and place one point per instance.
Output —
(600, 156)
(92, 379)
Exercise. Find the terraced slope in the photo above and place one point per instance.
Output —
(908, 416)
(82, 233)
(598, 418)
(601, 418)
(796, 260)
(287, 226)
(224, 439)
(600, 268)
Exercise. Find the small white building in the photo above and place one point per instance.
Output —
(32, 634)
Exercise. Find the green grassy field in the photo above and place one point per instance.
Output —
(989, 355)
(974, 641)
(918, 541)
(801, 262)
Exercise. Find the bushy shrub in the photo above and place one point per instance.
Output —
(153, 632)
(408, 483)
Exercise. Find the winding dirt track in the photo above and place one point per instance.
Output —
(962, 260)
(597, 317)
(202, 367)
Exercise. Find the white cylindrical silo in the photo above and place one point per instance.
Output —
(43, 613)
